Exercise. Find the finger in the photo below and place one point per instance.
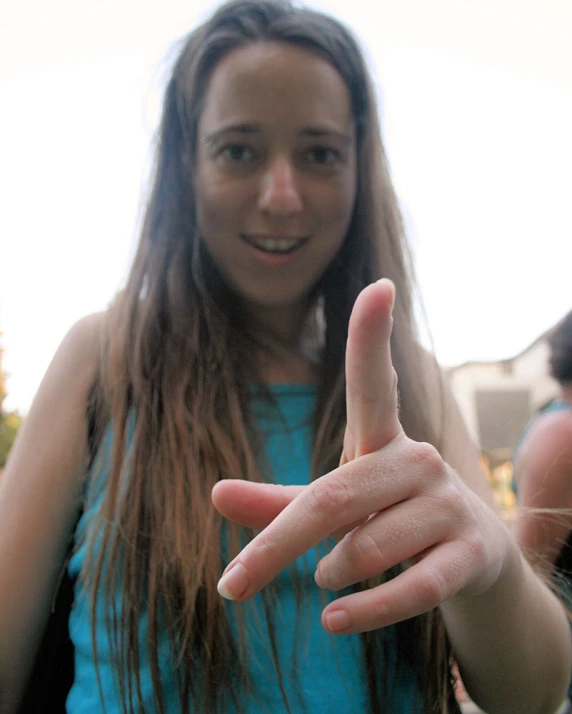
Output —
(249, 504)
(371, 381)
(424, 586)
(341, 498)
(398, 534)
(255, 505)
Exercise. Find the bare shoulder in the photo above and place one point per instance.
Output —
(547, 446)
(54, 429)
(554, 426)
(82, 343)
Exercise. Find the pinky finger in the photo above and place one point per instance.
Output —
(422, 587)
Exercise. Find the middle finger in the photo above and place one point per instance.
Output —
(401, 532)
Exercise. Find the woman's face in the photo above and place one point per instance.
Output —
(276, 171)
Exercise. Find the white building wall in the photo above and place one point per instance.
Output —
(528, 371)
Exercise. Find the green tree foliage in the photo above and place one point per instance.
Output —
(9, 421)
(2, 380)
(9, 425)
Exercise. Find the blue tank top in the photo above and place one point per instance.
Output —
(322, 673)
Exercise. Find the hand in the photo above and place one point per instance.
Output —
(392, 500)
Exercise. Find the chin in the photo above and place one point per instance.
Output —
(277, 300)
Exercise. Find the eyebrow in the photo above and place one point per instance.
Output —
(316, 132)
(246, 129)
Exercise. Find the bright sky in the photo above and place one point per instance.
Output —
(476, 99)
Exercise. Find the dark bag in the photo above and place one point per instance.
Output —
(53, 672)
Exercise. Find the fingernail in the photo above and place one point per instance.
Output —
(337, 620)
(392, 286)
(317, 576)
(234, 583)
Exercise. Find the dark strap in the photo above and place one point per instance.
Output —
(53, 672)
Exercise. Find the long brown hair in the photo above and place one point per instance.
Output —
(175, 374)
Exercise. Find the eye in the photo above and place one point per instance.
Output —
(236, 154)
(323, 156)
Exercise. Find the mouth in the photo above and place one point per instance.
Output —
(277, 245)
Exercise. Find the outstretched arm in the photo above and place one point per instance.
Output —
(39, 500)
(397, 500)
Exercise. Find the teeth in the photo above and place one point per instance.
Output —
(274, 245)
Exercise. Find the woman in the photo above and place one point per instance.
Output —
(272, 214)
(543, 474)
(543, 462)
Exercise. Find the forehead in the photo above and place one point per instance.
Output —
(276, 83)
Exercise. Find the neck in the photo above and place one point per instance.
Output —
(280, 326)
(279, 330)
(566, 392)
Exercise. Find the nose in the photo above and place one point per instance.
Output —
(279, 193)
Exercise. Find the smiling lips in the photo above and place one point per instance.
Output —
(278, 245)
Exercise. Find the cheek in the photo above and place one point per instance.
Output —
(220, 203)
(336, 207)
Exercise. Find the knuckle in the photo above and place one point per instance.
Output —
(329, 495)
(266, 549)
(452, 499)
(426, 457)
(476, 548)
(391, 382)
(381, 612)
(394, 380)
(364, 551)
(432, 588)
(391, 395)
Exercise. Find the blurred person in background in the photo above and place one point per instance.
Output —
(543, 474)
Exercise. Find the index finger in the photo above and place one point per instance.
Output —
(371, 381)
(347, 495)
